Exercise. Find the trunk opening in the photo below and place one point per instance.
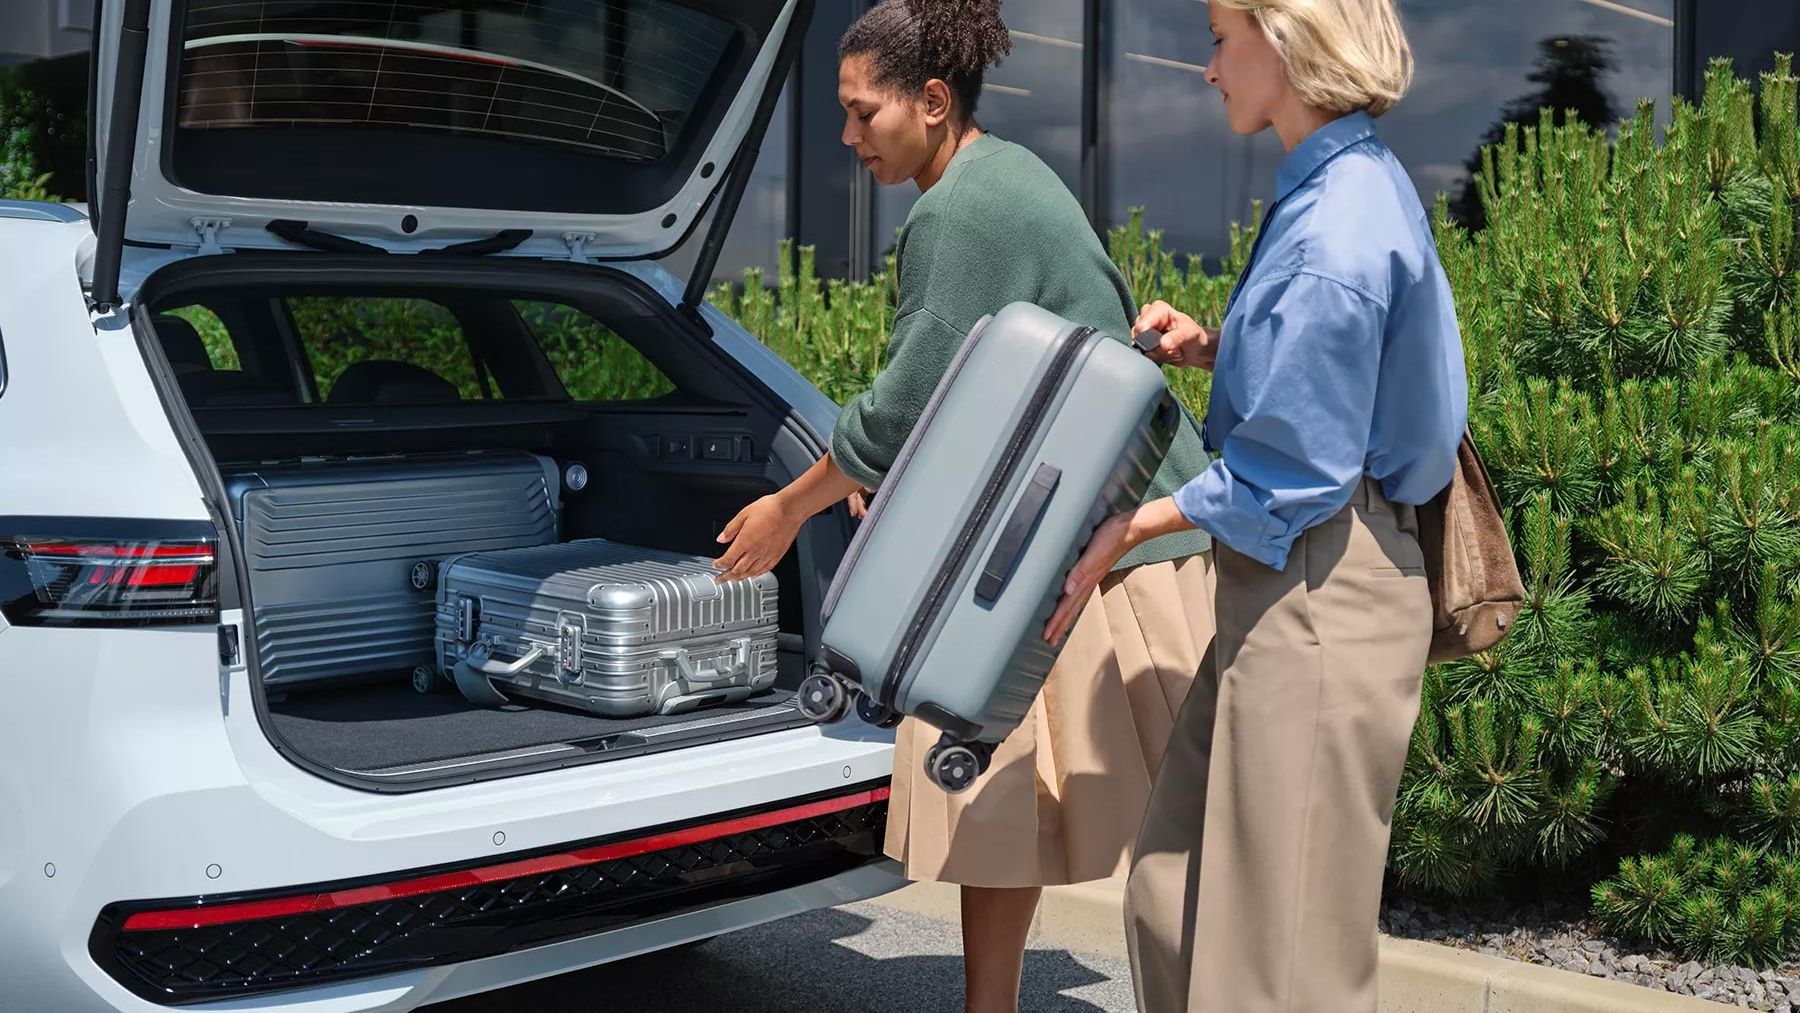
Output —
(351, 369)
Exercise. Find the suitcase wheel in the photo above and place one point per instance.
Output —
(875, 713)
(823, 698)
(955, 768)
(425, 680)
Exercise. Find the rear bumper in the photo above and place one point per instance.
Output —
(119, 782)
(206, 948)
(407, 990)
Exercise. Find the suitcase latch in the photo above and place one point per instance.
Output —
(468, 613)
(571, 629)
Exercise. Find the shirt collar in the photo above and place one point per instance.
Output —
(1321, 146)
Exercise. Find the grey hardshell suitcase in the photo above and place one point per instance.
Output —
(345, 552)
(1039, 430)
(609, 628)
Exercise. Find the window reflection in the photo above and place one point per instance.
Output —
(762, 219)
(1168, 148)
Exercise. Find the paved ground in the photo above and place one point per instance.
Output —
(856, 959)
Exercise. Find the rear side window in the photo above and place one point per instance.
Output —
(593, 363)
(376, 349)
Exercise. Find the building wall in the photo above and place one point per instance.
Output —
(34, 29)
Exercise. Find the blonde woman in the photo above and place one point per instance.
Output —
(1338, 400)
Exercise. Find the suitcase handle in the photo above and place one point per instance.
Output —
(1147, 342)
(481, 659)
(1011, 544)
(684, 663)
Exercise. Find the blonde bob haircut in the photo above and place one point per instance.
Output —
(1341, 55)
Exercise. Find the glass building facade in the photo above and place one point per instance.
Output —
(1112, 95)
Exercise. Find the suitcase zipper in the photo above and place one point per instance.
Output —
(939, 593)
(907, 451)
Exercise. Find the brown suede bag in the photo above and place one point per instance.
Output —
(1476, 591)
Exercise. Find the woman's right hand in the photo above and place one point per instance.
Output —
(1184, 342)
(760, 535)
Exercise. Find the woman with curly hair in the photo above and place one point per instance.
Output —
(994, 225)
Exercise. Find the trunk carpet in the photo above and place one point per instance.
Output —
(384, 726)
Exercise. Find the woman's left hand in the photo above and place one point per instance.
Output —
(1109, 545)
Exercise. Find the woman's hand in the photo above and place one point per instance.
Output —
(760, 535)
(1184, 342)
(1114, 538)
(859, 503)
(1109, 545)
(763, 532)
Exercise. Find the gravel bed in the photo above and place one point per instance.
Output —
(1564, 936)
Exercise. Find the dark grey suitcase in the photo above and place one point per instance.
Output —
(344, 552)
(605, 627)
(1039, 430)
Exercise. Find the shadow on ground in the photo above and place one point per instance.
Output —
(837, 961)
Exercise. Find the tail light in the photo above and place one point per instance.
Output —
(110, 573)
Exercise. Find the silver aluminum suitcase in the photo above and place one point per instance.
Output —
(344, 552)
(605, 627)
(1039, 430)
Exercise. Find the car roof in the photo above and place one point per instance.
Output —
(42, 211)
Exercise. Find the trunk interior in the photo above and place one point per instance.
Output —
(627, 422)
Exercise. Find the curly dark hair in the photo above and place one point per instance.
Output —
(914, 41)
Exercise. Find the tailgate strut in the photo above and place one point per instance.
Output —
(738, 175)
(114, 197)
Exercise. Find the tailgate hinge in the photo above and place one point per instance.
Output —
(208, 230)
(577, 243)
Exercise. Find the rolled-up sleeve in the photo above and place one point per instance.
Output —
(1299, 362)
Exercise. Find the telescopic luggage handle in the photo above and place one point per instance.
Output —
(1147, 342)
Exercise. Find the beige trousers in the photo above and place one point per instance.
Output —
(1256, 884)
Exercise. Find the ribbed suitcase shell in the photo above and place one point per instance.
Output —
(332, 548)
(1030, 399)
(638, 613)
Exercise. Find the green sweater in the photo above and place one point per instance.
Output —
(998, 228)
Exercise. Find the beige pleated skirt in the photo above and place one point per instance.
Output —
(1067, 791)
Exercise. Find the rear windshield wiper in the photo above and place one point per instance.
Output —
(303, 234)
(499, 242)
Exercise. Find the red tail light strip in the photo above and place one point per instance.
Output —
(224, 914)
(112, 554)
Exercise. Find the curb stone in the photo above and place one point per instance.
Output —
(1416, 977)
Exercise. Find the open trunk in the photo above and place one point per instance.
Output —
(637, 428)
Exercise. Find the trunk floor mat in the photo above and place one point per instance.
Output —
(387, 726)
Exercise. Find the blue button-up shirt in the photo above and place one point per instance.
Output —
(1339, 356)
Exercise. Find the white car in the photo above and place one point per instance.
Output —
(336, 234)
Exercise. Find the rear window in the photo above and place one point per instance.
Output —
(617, 77)
(550, 105)
(401, 350)
(215, 339)
(593, 363)
(390, 349)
